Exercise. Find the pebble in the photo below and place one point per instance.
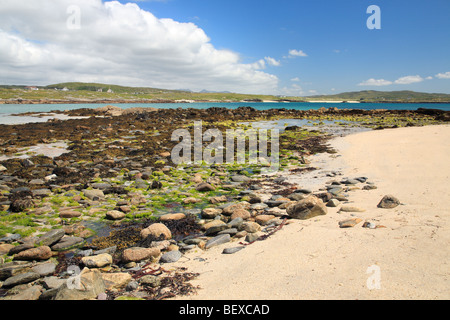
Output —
(333, 203)
(20, 279)
(232, 250)
(171, 256)
(351, 209)
(350, 223)
(388, 202)
(223, 238)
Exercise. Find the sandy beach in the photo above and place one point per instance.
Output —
(406, 257)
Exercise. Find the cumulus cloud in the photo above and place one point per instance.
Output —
(409, 80)
(45, 41)
(375, 82)
(297, 53)
(445, 75)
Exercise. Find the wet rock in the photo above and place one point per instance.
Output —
(172, 216)
(307, 208)
(388, 202)
(94, 194)
(40, 253)
(190, 200)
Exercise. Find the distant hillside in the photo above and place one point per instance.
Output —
(384, 96)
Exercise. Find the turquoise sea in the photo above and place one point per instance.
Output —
(7, 109)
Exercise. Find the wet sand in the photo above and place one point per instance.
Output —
(406, 258)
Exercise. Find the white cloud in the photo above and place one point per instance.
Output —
(117, 43)
(273, 62)
(375, 82)
(293, 91)
(429, 78)
(297, 53)
(445, 75)
(409, 80)
(296, 79)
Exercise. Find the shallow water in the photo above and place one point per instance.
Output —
(51, 150)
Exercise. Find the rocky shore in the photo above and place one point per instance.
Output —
(109, 217)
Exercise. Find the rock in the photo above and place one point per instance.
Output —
(223, 238)
(259, 206)
(44, 269)
(116, 281)
(156, 230)
(11, 238)
(21, 279)
(94, 194)
(211, 213)
(132, 285)
(172, 216)
(190, 200)
(13, 268)
(197, 178)
(231, 231)
(4, 248)
(307, 208)
(216, 229)
(85, 286)
(40, 253)
(137, 254)
(20, 248)
(115, 215)
(251, 237)
(351, 209)
(213, 223)
(67, 243)
(41, 192)
(388, 202)
(235, 223)
(232, 250)
(2, 168)
(242, 213)
(69, 214)
(250, 227)
(350, 223)
(150, 280)
(29, 294)
(333, 203)
(51, 237)
(264, 219)
(240, 178)
(53, 282)
(98, 261)
(202, 187)
(219, 199)
(369, 225)
(170, 257)
(229, 210)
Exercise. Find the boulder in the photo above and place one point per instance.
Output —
(156, 230)
(389, 202)
(137, 254)
(117, 281)
(40, 253)
(85, 286)
(307, 208)
(115, 215)
(98, 261)
(202, 187)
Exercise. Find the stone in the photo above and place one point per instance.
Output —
(242, 213)
(21, 279)
(44, 269)
(156, 230)
(219, 199)
(259, 206)
(240, 178)
(350, 223)
(333, 203)
(3, 168)
(53, 282)
(116, 281)
(69, 214)
(232, 250)
(223, 238)
(369, 225)
(29, 294)
(172, 216)
(351, 209)
(13, 268)
(115, 215)
(40, 253)
(190, 200)
(67, 243)
(307, 208)
(231, 231)
(251, 237)
(41, 192)
(98, 261)
(211, 213)
(388, 202)
(85, 286)
(229, 210)
(170, 257)
(250, 227)
(264, 219)
(51, 237)
(20, 248)
(5, 247)
(94, 194)
(213, 223)
(11, 238)
(137, 254)
(150, 280)
(235, 223)
(203, 187)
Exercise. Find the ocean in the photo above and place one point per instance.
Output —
(6, 110)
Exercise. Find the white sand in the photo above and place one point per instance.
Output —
(315, 259)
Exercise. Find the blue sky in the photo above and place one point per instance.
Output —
(295, 47)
